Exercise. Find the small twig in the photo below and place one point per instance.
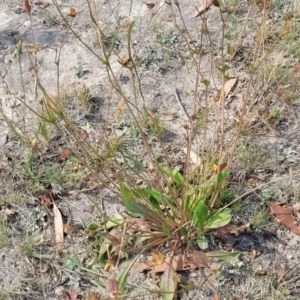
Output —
(176, 93)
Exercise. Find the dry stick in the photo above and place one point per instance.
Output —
(175, 91)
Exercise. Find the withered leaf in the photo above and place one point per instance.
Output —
(189, 261)
(204, 7)
(67, 228)
(229, 85)
(66, 153)
(93, 296)
(72, 12)
(27, 6)
(216, 297)
(284, 217)
(58, 225)
(168, 284)
(46, 200)
(157, 258)
(226, 237)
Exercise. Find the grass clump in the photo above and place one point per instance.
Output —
(176, 193)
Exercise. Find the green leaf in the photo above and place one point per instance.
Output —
(202, 242)
(154, 202)
(137, 165)
(223, 255)
(178, 178)
(226, 194)
(222, 176)
(166, 230)
(126, 193)
(187, 287)
(219, 219)
(122, 280)
(115, 221)
(206, 82)
(92, 227)
(211, 182)
(184, 231)
(200, 215)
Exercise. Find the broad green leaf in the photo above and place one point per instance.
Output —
(115, 221)
(211, 182)
(226, 194)
(188, 287)
(219, 219)
(138, 166)
(92, 226)
(184, 231)
(200, 215)
(104, 246)
(154, 202)
(188, 202)
(122, 280)
(166, 171)
(141, 239)
(166, 230)
(168, 284)
(179, 179)
(126, 193)
(149, 193)
(222, 176)
(134, 207)
(223, 255)
(202, 242)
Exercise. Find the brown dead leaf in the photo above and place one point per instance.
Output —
(228, 86)
(93, 296)
(216, 297)
(89, 208)
(157, 258)
(58, 225)
(32, 48)
(192, 260)
(193, 157)
(27, 6)
(125, 61)
(296, 207)
(84, 135)
(66, 153)
(226, 237)
(284, 217)
(46, 200)
(72, 295)
(284, 32)
(110, 265)
(34, 143)
(9, 212)
(218, 95)
(45, 5)
(204, 7)
(236, 229)
(112, 288)
(72, 12)
(142, 225)
(67, 228)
